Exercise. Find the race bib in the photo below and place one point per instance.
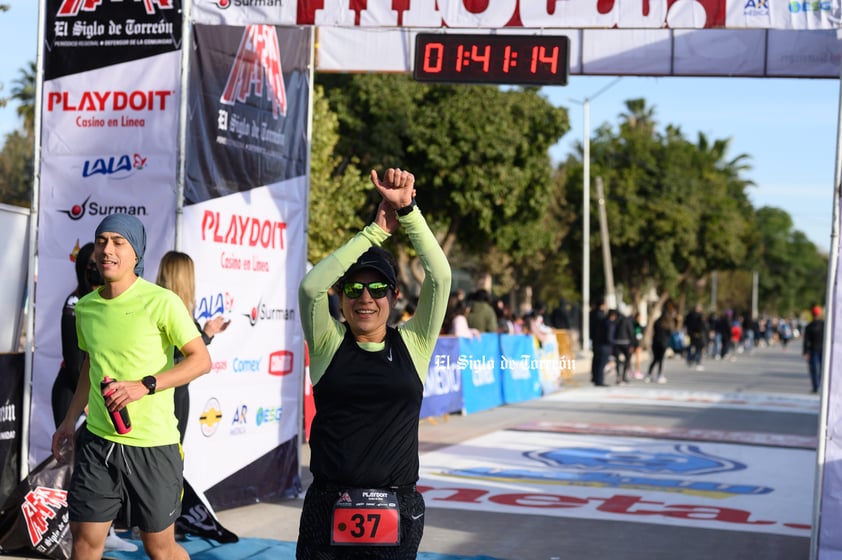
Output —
(367, 517)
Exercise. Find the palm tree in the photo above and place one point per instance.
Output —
(24, 93)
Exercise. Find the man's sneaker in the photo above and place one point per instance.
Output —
(700, 368)
(662, 379)
(116, 544)
(647, 379)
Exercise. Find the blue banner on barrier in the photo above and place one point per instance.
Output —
(520, 375)
(443, 388)
(479, 363)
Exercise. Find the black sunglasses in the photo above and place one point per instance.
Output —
(377, 289)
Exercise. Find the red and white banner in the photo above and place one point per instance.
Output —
(554, 14)
(617, 52)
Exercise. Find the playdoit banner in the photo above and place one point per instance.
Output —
(244, 225)
(109, 120)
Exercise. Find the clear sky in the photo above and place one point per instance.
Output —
(788, 127)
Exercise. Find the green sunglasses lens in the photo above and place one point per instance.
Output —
(355, 289)
(378, 289)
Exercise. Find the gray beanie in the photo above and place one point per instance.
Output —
(132, 229)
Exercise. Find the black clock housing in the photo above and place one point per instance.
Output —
(492, 59)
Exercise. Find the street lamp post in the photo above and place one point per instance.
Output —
(586, 213)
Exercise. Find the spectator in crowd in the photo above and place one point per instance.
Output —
(661, 333)
(784, 332)
(456, 321)
(622, 343)
(694, 324)
(637, 346)
(482, 316)
(814, 347)
(723, 329)
(176, 272)
(600, 342)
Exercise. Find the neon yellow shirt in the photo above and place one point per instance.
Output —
(127, 338)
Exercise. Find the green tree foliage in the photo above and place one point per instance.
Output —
(16, 170)
(337, 192)
(16, 157)
(480, 156)
(675, 209)
(792, 272)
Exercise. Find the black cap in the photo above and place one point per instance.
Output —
(377, 259)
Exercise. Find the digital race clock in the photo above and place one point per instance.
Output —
(492, 59)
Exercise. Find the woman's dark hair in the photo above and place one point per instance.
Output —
(82, 257)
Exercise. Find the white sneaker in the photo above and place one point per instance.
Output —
(700, 368)
(647, 379)
(117, 544)
(662, 379)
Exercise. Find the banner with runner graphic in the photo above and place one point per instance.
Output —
(245, 225)
(110, 127)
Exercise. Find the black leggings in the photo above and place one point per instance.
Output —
(658, 352)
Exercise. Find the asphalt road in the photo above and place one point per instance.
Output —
(760, 399)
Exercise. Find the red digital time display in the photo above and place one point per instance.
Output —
(492, 59)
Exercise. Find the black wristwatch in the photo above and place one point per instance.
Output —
(150, 383)
(406, 209)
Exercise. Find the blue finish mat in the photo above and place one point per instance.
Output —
(251, 549)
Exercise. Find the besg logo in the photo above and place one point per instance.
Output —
(94, 208)
(118, 166)
(813, 7)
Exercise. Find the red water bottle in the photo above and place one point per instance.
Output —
(120, 418)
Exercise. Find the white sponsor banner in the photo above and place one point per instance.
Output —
(669, 482)
(619, 52)
(14, 229)
(567, 14)
(250, 252)
(134, 103)
(72, 204)
(128, 165)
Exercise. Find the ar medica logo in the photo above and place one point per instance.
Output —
(756, 8)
